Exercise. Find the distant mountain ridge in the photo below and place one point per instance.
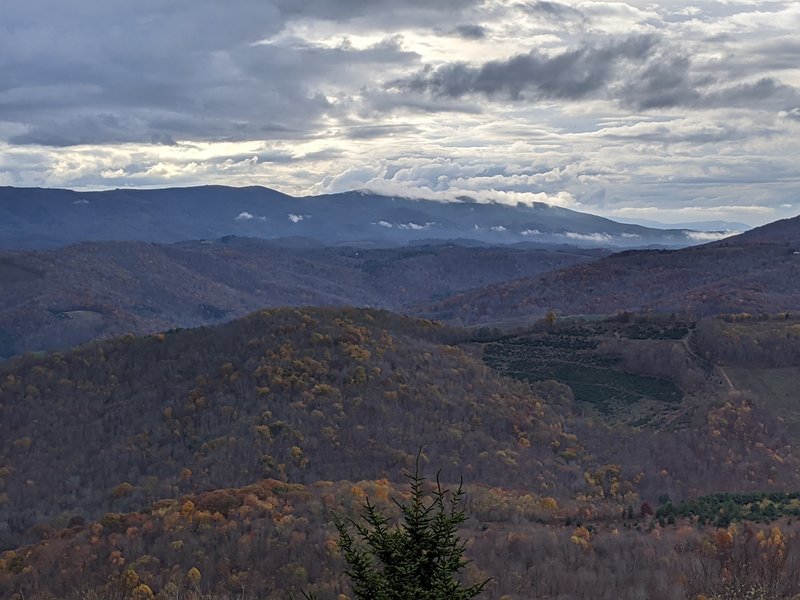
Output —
(33, 218)
(755, 272)
(61, 297)
(734, 226)
(785, 232)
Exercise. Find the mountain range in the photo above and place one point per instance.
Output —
(64, 296)
(44, 218)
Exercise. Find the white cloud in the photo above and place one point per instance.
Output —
(415, 226)
(599, 238)
(296, 218)
(244, 216)
(709, 236)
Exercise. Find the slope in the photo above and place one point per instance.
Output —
(290, 394)
(299, 406)
(271, 539)
(755, 272)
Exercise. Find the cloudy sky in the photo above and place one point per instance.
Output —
(662, 109)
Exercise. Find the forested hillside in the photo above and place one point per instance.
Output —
(271, 540)
(130, 462)
(639, 396)
(700, 281)
(58, 298)
(297, 395)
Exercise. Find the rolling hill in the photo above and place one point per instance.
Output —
(137, 461)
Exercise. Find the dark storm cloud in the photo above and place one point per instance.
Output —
(643, 72)
(572, 74)
(152, 72)
(663, 81)
(247, 92)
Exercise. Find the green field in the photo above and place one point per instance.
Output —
(573, 356)
(603, 387)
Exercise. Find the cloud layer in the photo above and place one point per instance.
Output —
(670, 110)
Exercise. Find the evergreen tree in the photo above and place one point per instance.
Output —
(419, 559)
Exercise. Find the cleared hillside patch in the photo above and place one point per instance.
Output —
(775, 390)
(589, 357)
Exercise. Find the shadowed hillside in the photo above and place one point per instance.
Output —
(57, 298)
(153, 438)
(755, 272)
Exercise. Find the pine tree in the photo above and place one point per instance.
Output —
(419, 559)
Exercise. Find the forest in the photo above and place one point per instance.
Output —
(600, 457)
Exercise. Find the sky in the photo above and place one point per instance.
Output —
(664, 110)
